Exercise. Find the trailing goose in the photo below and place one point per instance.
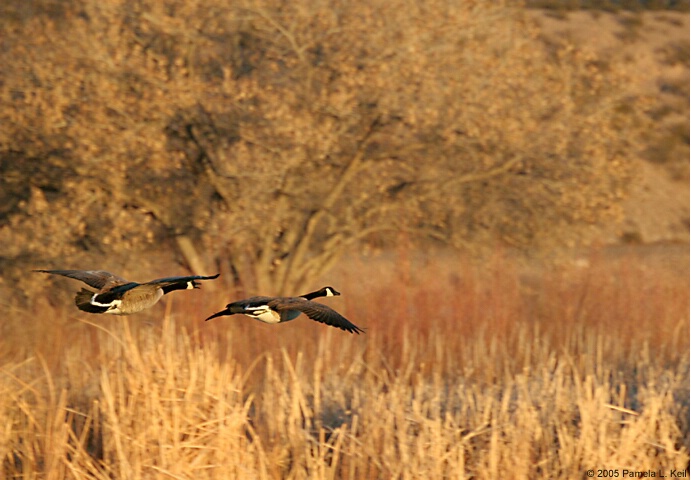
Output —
(118, 296)
(283, 309)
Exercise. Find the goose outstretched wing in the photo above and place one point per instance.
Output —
(169, 284)
(317, 312)
(99, 279)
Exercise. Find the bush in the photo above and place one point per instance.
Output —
(277, 137)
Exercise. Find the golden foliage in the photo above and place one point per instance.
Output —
(282, 135)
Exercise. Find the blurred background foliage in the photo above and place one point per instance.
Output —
(266, 140)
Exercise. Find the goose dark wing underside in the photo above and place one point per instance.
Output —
(326, 315)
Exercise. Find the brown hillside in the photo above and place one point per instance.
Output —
(653, 47)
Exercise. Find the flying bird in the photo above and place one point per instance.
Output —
(283, 309)
(118, 296)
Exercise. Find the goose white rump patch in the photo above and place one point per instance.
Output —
(113, 307)
(263, 313)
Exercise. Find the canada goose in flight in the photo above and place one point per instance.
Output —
(283, 309)
(118, 296)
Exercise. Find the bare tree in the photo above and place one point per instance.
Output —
(273, 138)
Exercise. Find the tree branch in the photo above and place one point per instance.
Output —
(310, 225)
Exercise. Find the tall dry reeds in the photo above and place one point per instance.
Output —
(492, 371)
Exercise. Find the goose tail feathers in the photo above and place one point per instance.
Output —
(83, 302)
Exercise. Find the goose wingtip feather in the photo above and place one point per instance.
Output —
(222, 313)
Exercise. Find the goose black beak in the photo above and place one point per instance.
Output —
(219, 314)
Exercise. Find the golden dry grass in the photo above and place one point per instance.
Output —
(466, 371)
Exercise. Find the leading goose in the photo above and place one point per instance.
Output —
(118, 296)
(283, 309)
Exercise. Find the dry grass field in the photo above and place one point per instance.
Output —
(466, 371)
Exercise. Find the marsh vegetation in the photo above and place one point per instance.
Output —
(464, 372)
